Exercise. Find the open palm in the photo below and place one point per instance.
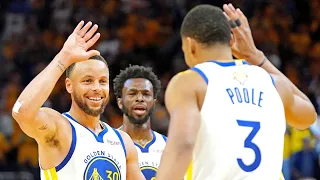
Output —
(81, 39)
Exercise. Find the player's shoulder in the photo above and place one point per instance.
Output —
(184, 88)
(54, 116)
(127, 142)
(182, 75)
(161, 136)
(51, 113)
(186, 79)
(123, 134)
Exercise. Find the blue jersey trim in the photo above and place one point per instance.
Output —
(274, 84)
(164, 137)
(121, 140)
(226, 64)
(201, 73)
(145, 149)
(99, 138)
(71, 150)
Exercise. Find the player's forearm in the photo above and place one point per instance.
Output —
(175, 161)
(269, 67)
(38, 90)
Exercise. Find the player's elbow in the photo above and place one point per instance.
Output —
(309, 120)
(301, 114)
(20, 112)
(304, 122)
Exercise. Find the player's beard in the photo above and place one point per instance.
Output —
(138, 121)
(85, 108)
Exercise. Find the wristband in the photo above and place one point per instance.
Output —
(264, 60)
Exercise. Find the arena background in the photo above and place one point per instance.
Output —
(146, 32)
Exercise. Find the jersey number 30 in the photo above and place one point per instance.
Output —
(249, 144)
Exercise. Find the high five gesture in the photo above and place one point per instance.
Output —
(35, 121)
(82, 38)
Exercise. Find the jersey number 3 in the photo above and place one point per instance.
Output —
(249, 144)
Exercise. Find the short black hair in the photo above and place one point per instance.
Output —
(136, 71)
(207, 25)
(71, 67)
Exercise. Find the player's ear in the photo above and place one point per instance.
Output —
(232, 40)
(68, 84)
(119, 102)
(191, 45)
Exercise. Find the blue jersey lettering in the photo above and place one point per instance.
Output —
(241, 95)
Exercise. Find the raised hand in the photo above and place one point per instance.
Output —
(78, 43)
(243, 47)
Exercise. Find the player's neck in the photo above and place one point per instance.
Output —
(216, 52)
(137, 133)
(90, 122)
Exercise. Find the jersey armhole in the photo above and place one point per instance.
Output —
(274, 84)
(200, 73)
(121, 140)
(164, 138)
(71, 150)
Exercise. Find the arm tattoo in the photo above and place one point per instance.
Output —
(61, 66)
(44, 127)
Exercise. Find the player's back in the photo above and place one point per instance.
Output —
(242, 124)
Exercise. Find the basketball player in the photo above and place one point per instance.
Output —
(76, 144)
(136, 89)
(243, 41)
(227, 117)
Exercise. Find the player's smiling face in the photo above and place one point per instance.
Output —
(89, 86)
(137, 100)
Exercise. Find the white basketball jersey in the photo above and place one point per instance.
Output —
(91, 156)
(242, 127)
(150, 155)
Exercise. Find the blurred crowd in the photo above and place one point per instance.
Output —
(146, 32)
